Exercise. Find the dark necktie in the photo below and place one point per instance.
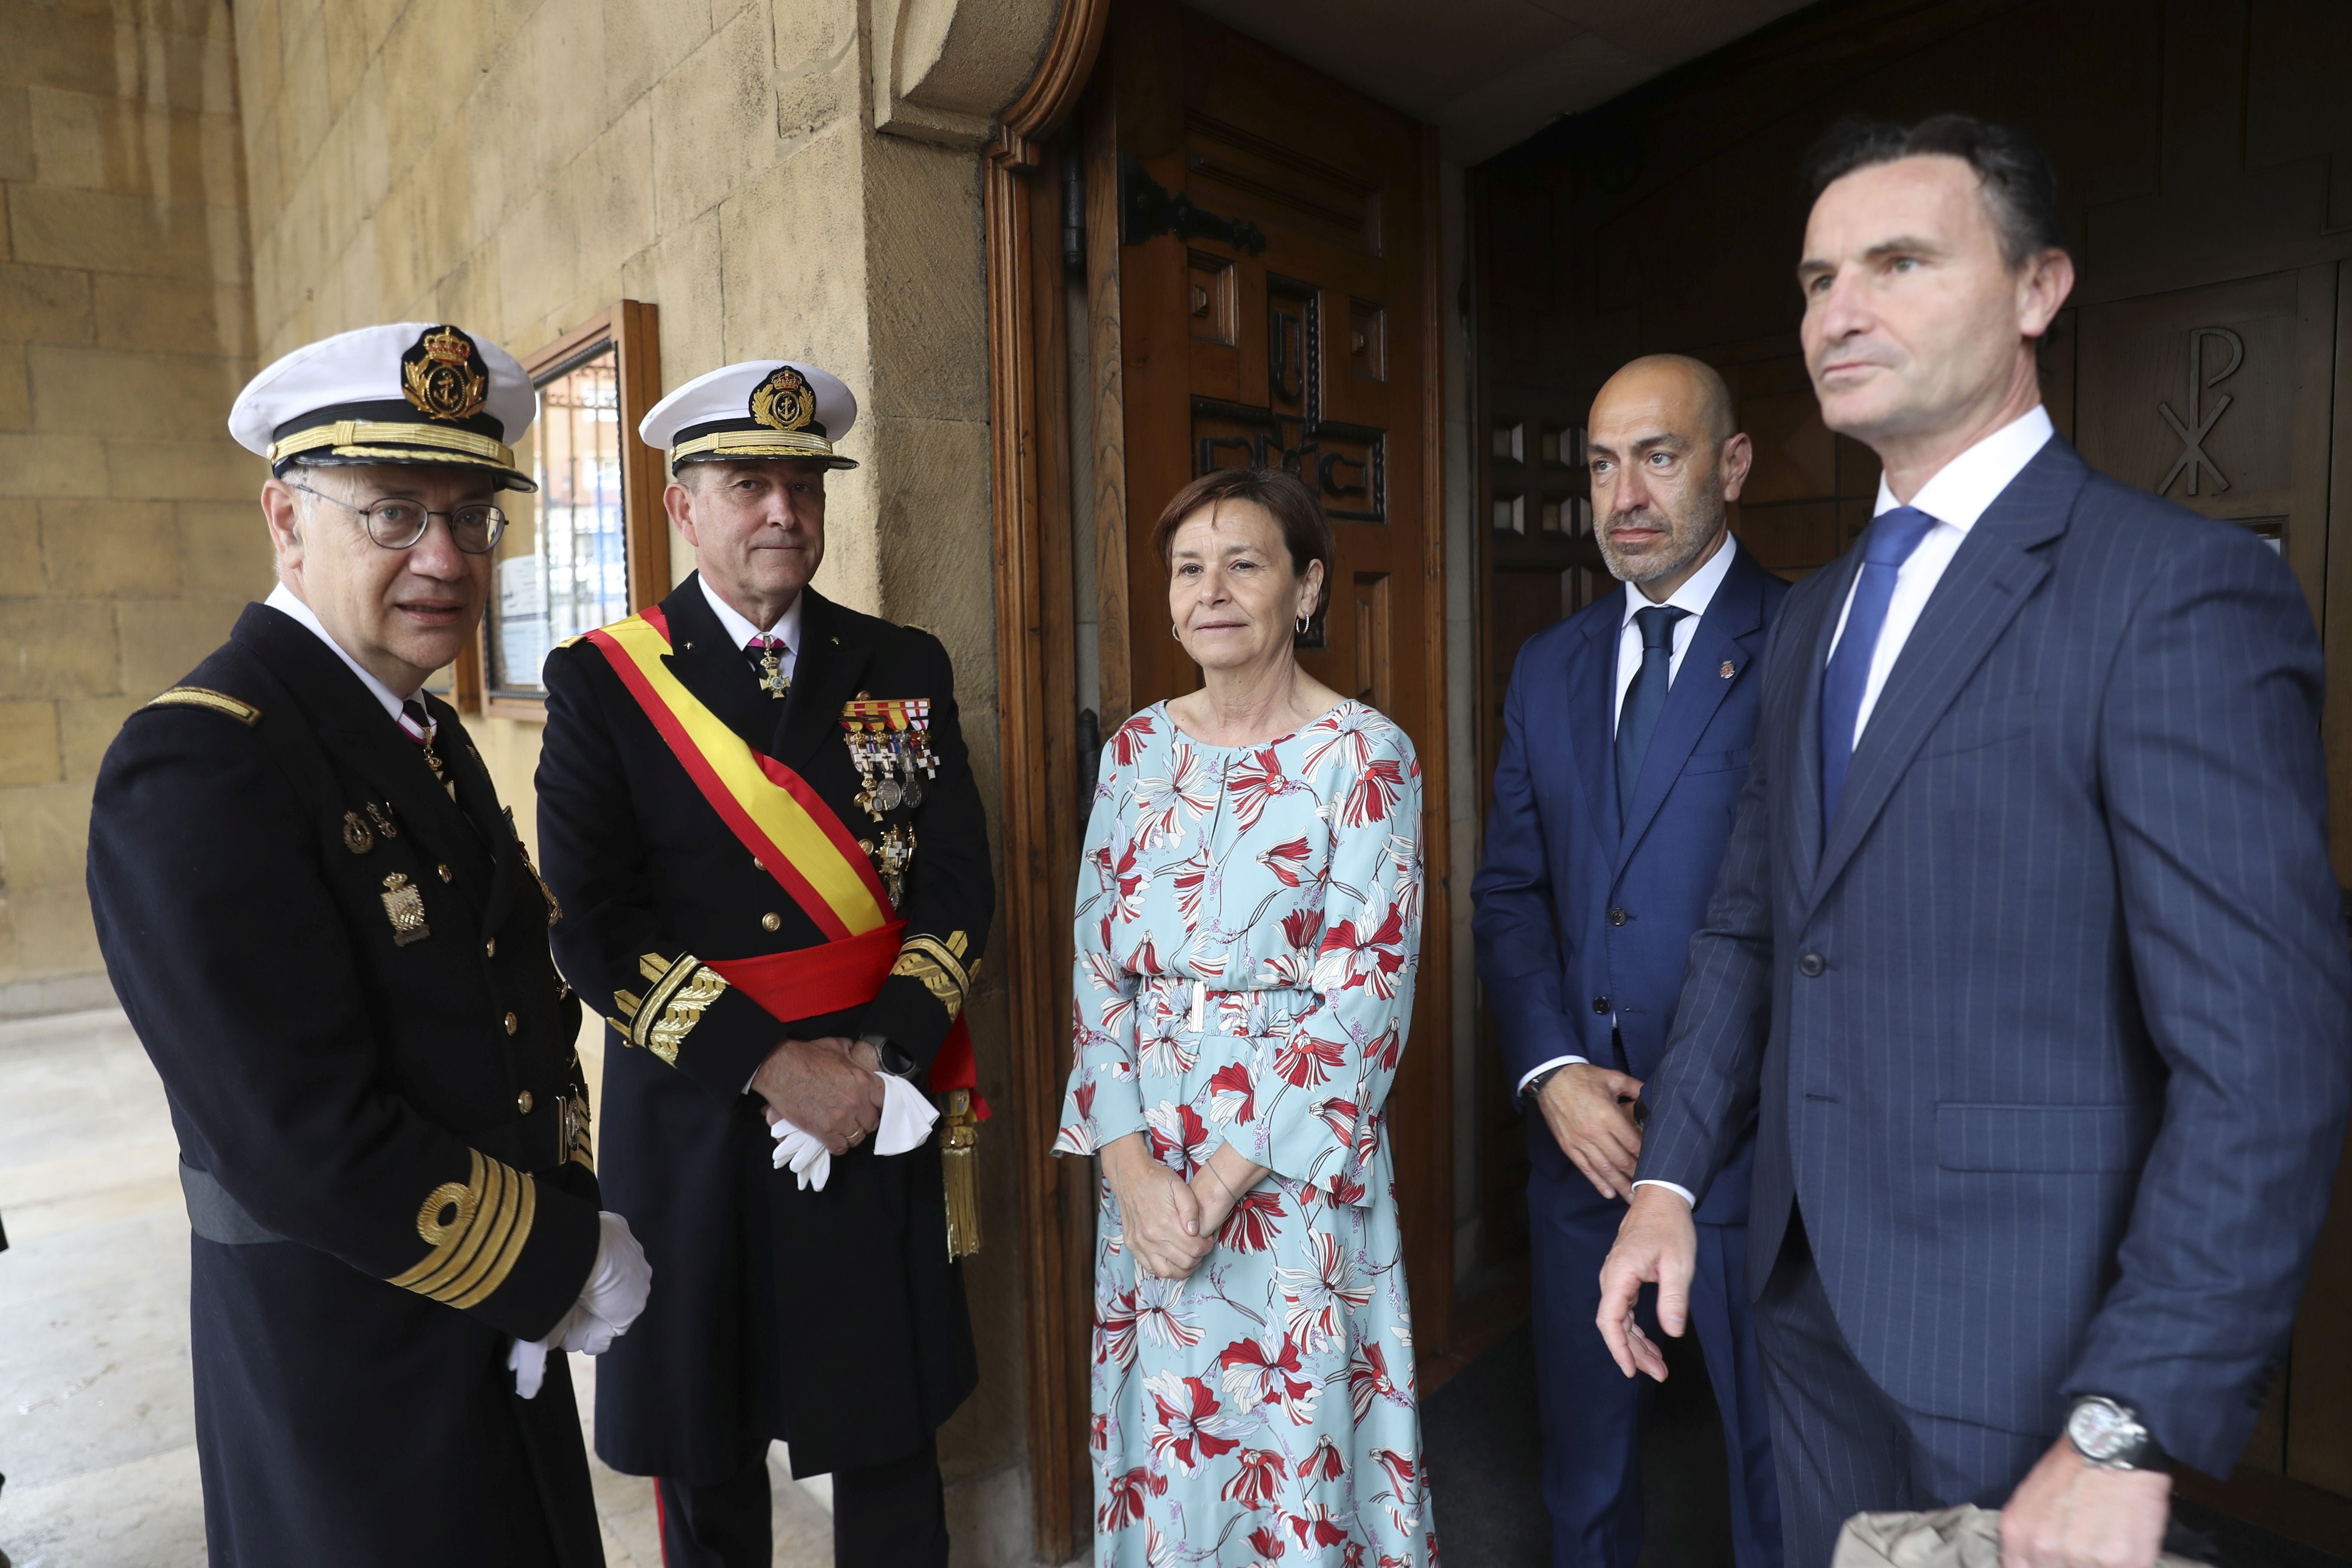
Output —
(1646, 697)
(767, 657)
(1887, 544)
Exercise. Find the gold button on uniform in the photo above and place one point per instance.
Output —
(756, 865)
(447, 874)
(490, 948)
(771, 920)
(523, 1102)
(512, 1023)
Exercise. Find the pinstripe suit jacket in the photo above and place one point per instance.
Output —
(2051, 1035)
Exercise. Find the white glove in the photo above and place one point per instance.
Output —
(615, 1291)
(908, 1115)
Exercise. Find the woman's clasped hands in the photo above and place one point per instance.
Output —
(1169, 1223)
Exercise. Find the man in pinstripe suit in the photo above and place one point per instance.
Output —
(2026, 951)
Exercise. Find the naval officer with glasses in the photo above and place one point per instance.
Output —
(333, 946)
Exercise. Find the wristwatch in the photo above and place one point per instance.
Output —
(2109, 1436)
(895, 1062)
(1534, 1086)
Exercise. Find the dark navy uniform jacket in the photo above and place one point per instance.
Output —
(833, 1319)
(342, 976)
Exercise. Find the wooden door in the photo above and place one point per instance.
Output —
(1271, 304)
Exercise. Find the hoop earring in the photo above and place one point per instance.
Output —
(1305, 624)
(1173, 634)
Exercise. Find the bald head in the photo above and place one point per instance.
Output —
(1667, 459)
(1688, 393)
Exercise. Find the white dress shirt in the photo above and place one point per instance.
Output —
(281, 599)
(1956, 497)
(787, 628)
(1694, 596)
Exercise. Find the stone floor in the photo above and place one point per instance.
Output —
(97, 1426)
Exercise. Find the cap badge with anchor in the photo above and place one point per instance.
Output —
(755, 409)
(442, 374)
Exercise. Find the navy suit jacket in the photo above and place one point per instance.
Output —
(2049, 1032)
(1560, 856)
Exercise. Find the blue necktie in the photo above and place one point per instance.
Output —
(1646, 697)
(1886, 546)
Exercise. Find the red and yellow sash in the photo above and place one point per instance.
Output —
(796, 837)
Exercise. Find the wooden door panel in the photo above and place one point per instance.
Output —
(1274, 274)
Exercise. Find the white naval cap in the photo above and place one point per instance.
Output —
(760, 408)
(412, 392)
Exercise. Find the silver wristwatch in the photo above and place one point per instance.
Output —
(2109, 1436)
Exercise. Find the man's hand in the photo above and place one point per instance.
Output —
(815, 1086)
(1656, 1243)
(1158, 1213)
(2069, 1513)
(1580, 1104)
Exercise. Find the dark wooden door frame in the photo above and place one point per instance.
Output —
(1043, 820)
(1038, 732)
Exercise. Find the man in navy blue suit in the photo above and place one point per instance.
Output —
(2026, 956)
(1625, 743)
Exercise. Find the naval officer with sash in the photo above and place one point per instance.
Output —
(756, 812)
(331, 943)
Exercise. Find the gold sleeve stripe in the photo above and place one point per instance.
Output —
(948, 958)
(245, 713)
(927, 959)
(683, 990)
(475, 1248)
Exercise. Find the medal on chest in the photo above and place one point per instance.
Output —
(890, 744)
(892, 853)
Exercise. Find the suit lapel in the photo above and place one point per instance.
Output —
(1804, 795)
(478, 799)
(1591, 684)
(825, 673)
(1698, 690)
(1981, 590)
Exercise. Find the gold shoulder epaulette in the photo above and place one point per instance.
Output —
(925, 630)
(220, 702)
(567, 642)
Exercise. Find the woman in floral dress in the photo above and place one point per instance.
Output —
(1248, 927)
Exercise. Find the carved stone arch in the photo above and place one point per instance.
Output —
(944, 69)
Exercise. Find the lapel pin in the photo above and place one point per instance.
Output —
(356, 837)
(1729, 669)
(404, 906)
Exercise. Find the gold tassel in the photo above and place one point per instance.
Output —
(959, 1156)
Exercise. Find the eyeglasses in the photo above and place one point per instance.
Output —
(398, 524)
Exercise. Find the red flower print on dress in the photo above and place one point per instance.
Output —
(1250, 1227)
(1326, 1463)
(1124, 1506)
(1287, 861)
(1267, 1544)
(1368, 1379)
(1255, 782)
(1187, 1426)
(1306, 1060)
(1374, 792)
(1160, 1312)
(1193, 879)
(1128, 743)
(1257, 1480)
(1115, 1331)
(1317, 1526)
(1232, 1094)
(1374, 959)
(1317, 1299)
(1177, 1129)
(1128, 876)
(1345, 734)
(1165, 803)
(1346, 1189)
(1271, 1374)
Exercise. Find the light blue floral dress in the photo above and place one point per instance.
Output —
(1248, 928)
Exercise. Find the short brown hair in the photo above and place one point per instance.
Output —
(1305, 531)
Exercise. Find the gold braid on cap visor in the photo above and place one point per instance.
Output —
(752, 444)
(357, 433)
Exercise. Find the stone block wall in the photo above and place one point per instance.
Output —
(128, 533)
